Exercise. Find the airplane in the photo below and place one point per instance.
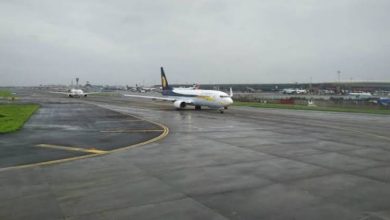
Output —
(384, 101)
(76, 93)
(140, 89)
(360, 95)
(144, 89)
(301, 91)
(181, 97)
(294, 91)
(250, 89)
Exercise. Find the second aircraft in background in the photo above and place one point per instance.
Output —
(77, 93)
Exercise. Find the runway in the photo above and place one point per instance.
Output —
(245, 164)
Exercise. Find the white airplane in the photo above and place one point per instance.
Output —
(294, 91)
(141, 89)
(76, 93)
(361, 94)
(181, 97)
(301, 91)
(144, 89)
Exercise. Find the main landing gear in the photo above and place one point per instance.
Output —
(221, 109)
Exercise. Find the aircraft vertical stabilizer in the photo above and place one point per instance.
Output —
(164, 81)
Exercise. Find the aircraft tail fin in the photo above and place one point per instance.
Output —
(231, 92)
(164, 81)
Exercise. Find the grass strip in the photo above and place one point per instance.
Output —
(5, 93)
(13, 116)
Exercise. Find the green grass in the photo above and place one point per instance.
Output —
(5, 94)
(13, 116)
(314, 108)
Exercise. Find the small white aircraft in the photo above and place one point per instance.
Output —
(294, 91)
(77, 93)
(181, 97)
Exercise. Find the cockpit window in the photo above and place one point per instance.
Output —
(224, 96)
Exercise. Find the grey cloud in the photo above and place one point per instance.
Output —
(125, 42)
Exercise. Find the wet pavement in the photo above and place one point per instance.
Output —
(244, 164)
(63, 130)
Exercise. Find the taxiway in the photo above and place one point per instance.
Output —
(245, 164)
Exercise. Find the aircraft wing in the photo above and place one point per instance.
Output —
(169, 99)
(65, 93)
(90, 93)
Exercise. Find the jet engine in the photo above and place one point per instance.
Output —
(179, 104)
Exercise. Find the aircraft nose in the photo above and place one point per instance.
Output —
(230, 101)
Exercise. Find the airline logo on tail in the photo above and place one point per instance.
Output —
(164, 82)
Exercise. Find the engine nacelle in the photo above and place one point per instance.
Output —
(179, 104)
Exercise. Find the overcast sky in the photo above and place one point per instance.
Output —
(205, 41)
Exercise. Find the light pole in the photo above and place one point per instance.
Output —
(339, 75)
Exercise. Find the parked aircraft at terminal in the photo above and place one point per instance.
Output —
(142, 89)
(384, 101)
(181, 97)
(294, 91)
(360, 94)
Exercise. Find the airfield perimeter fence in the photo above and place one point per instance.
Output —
(321, 101)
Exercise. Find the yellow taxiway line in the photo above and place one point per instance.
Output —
(85, 150)
(161, 136)
(131, 131)
(93, 152)
(46, 163)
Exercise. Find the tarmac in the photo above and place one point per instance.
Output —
(62, 131)
(245, 164)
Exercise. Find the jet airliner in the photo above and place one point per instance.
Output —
(181, 97)
(76, 93)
